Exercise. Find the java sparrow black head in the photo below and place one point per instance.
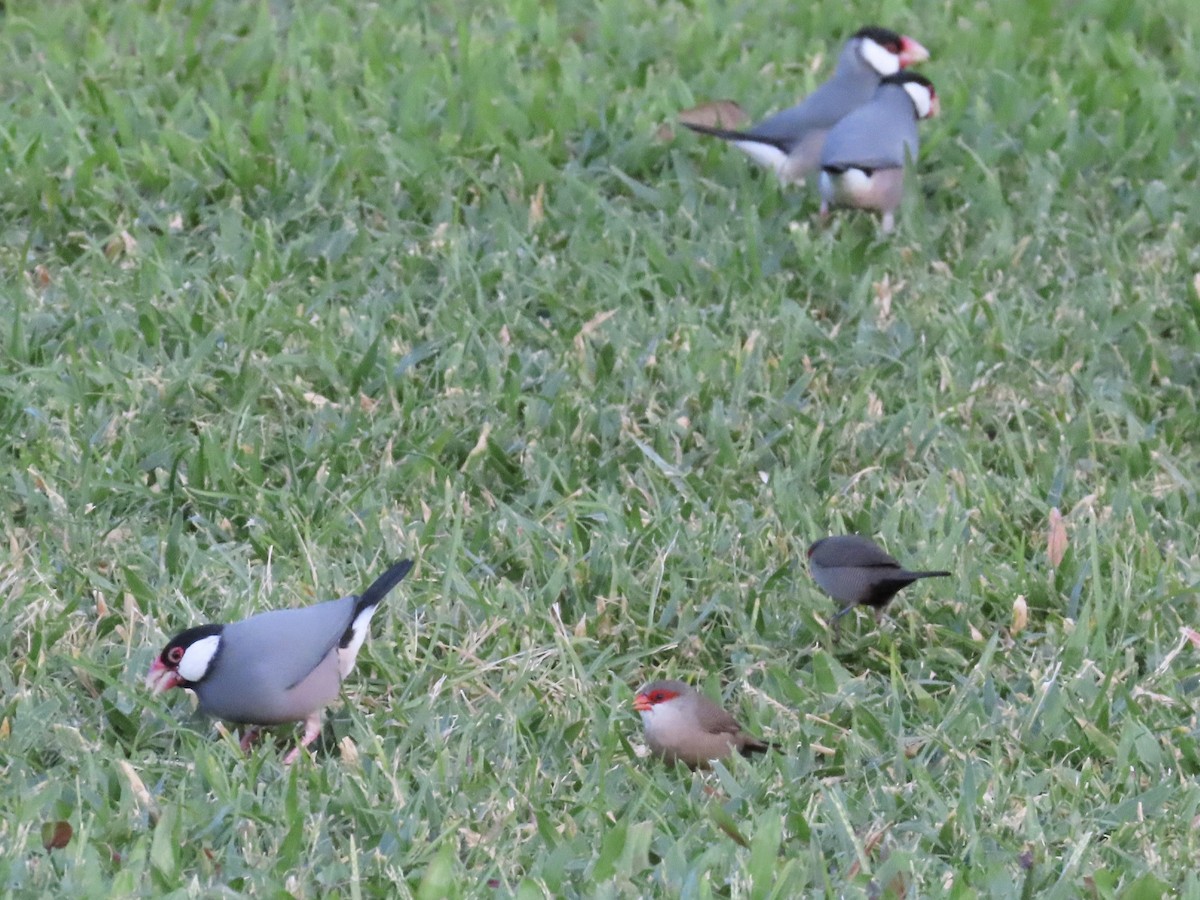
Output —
(790, 141)
(285, 665)
(862, 162)
(854, 570)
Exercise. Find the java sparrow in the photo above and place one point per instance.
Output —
(854, 570)
(790, 141)
(682, 725)
(862, 162)
(285, 665)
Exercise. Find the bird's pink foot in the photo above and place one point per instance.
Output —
(248, 739)
(312, 728)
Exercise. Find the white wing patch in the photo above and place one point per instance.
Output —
(879, 58)
(198, 657)
(358, 633)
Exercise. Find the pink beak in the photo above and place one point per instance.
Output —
(161, 677)
(911, 52)
(642, 704)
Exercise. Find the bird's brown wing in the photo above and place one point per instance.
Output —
(716, 720)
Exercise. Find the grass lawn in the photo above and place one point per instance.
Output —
(291, 290)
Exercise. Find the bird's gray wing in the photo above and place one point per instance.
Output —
(856, 551)
(823, 108)
(290, 643)
(878, 135)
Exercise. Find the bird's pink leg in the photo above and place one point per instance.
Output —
(248, 738)
(312, 728)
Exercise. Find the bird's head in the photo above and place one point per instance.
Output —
(186, 660)
(657, 695)
(887, 51)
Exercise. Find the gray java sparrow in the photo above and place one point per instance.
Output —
(854, 570)
(285, 665)
(682, 725)
(790, 141)
(863, 159)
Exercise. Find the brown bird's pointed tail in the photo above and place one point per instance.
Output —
(757, 746)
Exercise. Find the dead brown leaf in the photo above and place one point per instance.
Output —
(591, 326)
(121, 245)
(716, 114)
(1020, 615)
(56, 835)
(870, 845)
(480, 445)
(537, 207)
(1056, 538)
(138, 787)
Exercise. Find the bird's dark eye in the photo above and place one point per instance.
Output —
(175, 654)
(893, 47)
(656, 697)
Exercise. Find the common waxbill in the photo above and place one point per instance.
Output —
(854, 570)
(285, 665)
(682, 725)
(789, 142)
(862, 162)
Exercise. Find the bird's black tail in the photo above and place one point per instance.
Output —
(930, 574)
(757, 746)
(381, 586)
(728, 134)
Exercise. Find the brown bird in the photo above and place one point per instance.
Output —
(682, 725)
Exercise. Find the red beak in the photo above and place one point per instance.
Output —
(911, 52)
(161, 677)
(642, 703)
